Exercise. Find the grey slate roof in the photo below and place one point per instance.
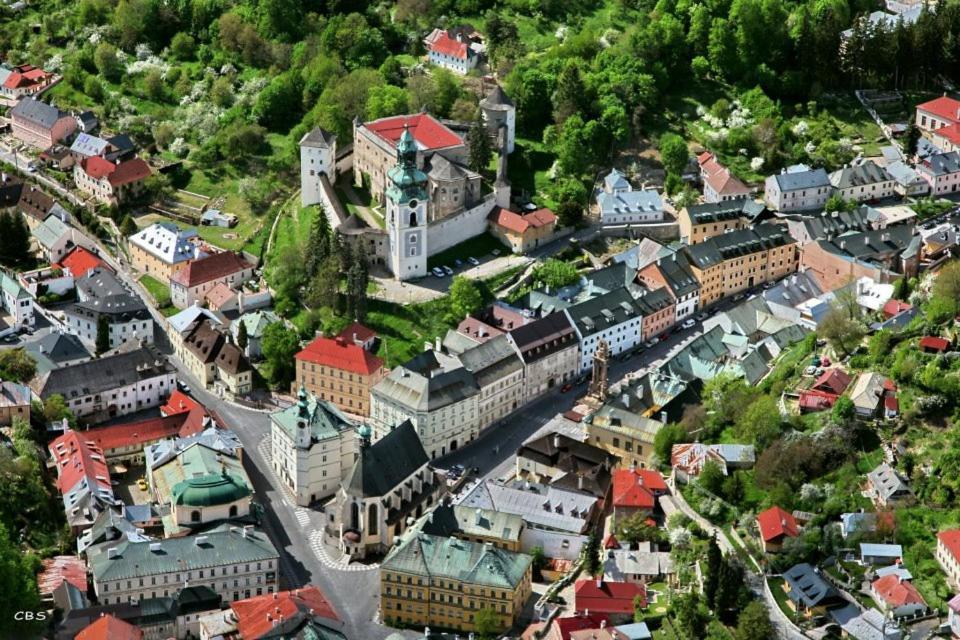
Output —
(430, 381)
(496, 99)
(58, 348)
(447, 520)
(715, 250)
(318, 138)
(88, 145)
(809, 179)
(543, 337)
(866, 173)
(640, 201)
(539, 505)
(605, 311)
(491, 360)
(383, 465)
(224, 545)
(826, 224)
(39, 113)
(943, 163)
(727, 210)
(870, 244)
(442, 169)
(808, 588)
(50, 231)
(103, 374)
(101, 292)
(887, 482)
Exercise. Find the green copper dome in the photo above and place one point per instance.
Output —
(210, 490)
(407, 182)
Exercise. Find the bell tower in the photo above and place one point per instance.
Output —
(406, 199)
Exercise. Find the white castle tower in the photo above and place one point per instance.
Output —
(318, 157)
(499, 112)
(406, 198)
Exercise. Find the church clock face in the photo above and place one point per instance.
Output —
(413, 204)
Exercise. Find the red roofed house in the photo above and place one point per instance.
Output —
(458, 49)
(948, 555)
(109, 182)
(125, 442)
(109, 627)
(79, 262)
(898, 596)
(522, 232)
(833, 381)
(894, 307)
(614, 599)
(561, 628)
(339, 371)
(359, 335)
(775, 526)
(636, 491)
(23, 80)
(947, 138)
(937, 113)
(302, 612)
(375, 147)
(719, 185)
(60, 569)
(192, 283)
(82, 477)
(934, 344)
(811, 400)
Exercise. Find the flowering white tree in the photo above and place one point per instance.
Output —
(756, 163)
(680, 537)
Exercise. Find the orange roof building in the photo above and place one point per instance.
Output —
(522, 232)
(340, 371)
(110, 182)
(110, 627)
(775, 526)
(636, 490)
(257, 617)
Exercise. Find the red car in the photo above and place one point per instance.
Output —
(566, 388)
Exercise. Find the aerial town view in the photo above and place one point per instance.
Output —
(495, 320)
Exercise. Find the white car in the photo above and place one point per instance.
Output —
(437, 271)
(688, 324)
(473, 261)
(447, 270)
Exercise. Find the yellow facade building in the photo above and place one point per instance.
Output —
(444, 582)
(739, 260)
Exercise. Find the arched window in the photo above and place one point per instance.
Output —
(354, 516)
(194, 516)
(233, 511)
(413, 218)
(372, 519)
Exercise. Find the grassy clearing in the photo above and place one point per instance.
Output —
(404, 329)
(476, 247)
(157, 290)
(529, 171)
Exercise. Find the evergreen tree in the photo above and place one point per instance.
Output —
(357, 279)
(730, 590)
(591, 555)
(242, 337)
(20, 241)
(570, 96)
(712, 578)
(7, 251)
(103, 334)
(479, 143)
(128, 227)
(318, 244)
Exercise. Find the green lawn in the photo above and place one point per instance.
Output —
(528, 171)
(403, 329)
(476, 247)
(157, 290)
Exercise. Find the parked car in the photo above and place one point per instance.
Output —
(810, 370)
(473, 261)
(447, 270)
(437, 271)
(142, 483)
(565, 388)
(702, 316)
(652, 341)
(689, 323)
(458, 263)
(183, 386)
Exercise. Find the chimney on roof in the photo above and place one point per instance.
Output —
(599, 583)
(438, 346)
(556, 440)
(477, 516)
(603, 624)
(580, 482)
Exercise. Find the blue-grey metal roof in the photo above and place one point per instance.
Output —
(804, 179)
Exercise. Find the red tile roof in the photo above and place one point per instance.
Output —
(212, 267)
(140, 433)
(25, 76)
(521, 223)
(891, 404)
(77, 459)
(719, 177)
(429, 132)
(951, 133)
(256, 616)
(179, 403)
(934, 343)
(79, 262)
(896, 592)
(58, 569)
(944, 107)
(340, 354)
(951, 540)
(608, 597)
(894, 307)
(814, 400)
(446, 45)
(637, 488)
(97, 167)
(477, 329)
(565, 626)
(357, 332)
(110, 627)
(833, 381)
(775, 523)
(611, 542)
(889, 385)
(133, 170)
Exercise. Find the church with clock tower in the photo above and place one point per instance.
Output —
(406, 201)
